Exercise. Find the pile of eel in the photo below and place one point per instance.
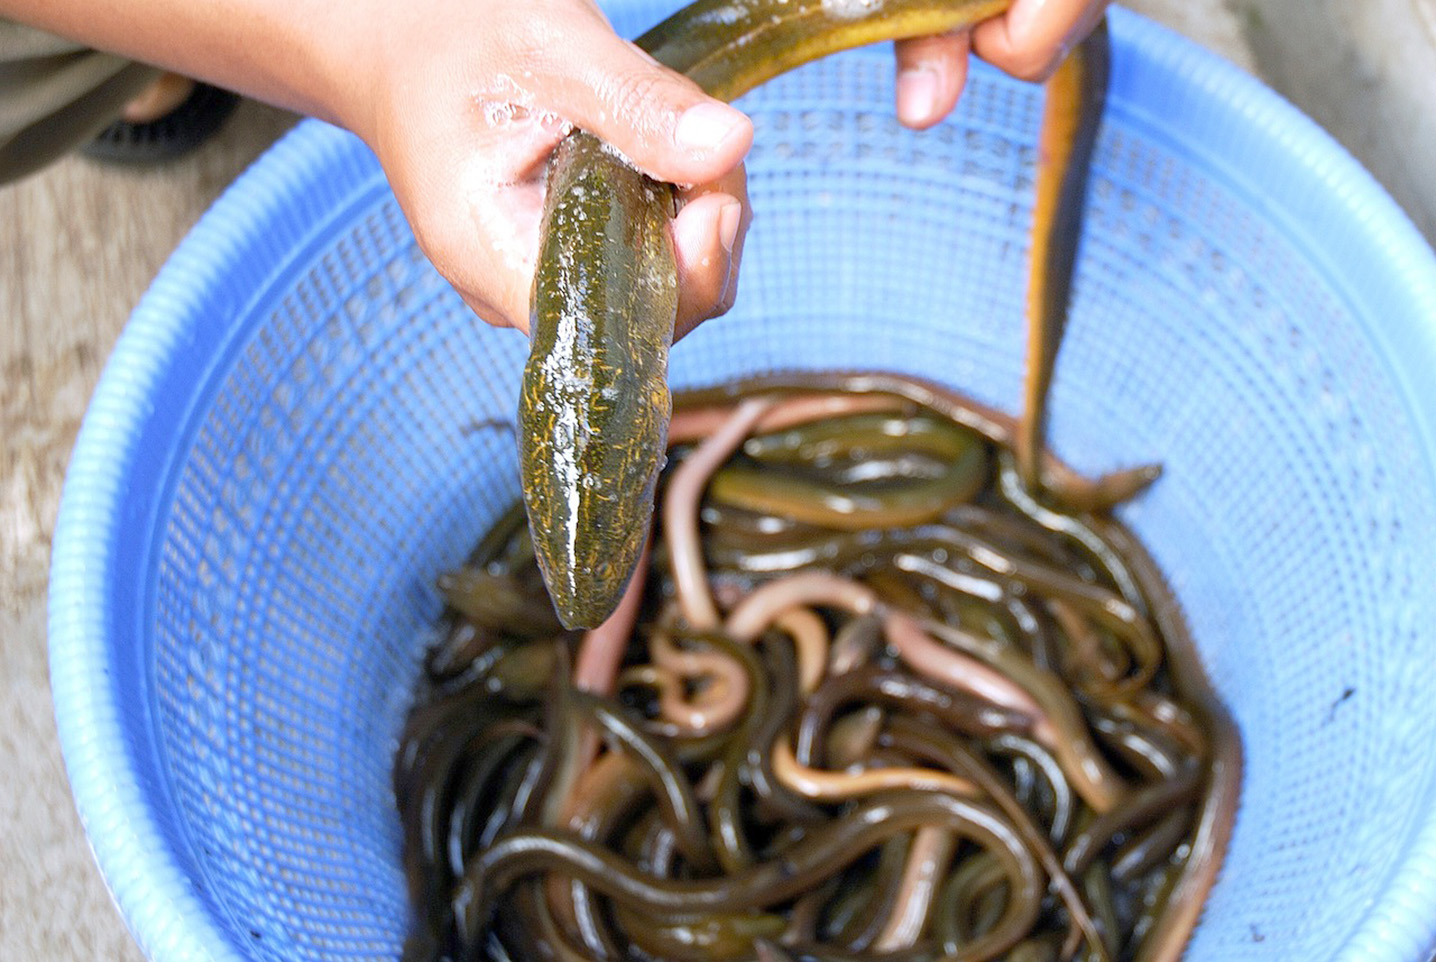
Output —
(866, 698)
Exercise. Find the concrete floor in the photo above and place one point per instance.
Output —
(84, 242)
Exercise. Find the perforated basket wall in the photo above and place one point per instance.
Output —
(296, 434)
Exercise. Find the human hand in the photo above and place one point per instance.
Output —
(1028, 41)
(463, 132)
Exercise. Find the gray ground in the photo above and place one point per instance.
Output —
(82, 243)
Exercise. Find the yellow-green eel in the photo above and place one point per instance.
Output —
(595, 403)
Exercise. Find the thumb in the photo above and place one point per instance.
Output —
(660, 120)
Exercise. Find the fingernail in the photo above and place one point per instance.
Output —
(730, 218)
(916, 94)
(707, 126)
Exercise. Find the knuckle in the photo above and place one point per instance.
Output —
(930, 51)
(636, 95)
(526, 39)
(1034, 66)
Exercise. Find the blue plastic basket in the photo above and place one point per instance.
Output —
(286, 448)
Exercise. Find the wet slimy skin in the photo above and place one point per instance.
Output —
(594, 407)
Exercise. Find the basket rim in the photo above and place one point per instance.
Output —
(1383, 255)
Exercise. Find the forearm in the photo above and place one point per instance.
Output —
(291, 53)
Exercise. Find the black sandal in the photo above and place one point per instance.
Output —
(198, 118)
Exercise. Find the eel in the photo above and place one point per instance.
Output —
(594, 404)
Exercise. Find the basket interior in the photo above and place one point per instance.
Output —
(347, 439)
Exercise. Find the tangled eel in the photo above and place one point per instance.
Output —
(865, 699)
